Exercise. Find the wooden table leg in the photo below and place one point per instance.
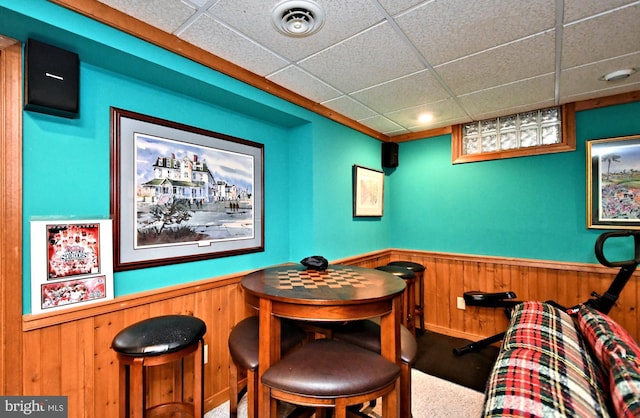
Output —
(390, 349)
(269, 352)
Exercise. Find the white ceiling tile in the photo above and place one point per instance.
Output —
(348, 106)
(396, 6)
(579, 9)
(609, 35)
(208, 34)
(167, 15)
(515, 61)
(408, 91)
(344, 18)
(384, 125)
(586, 78)
(370, 58)
(447, 30)
(303, 83)
(443, 112)
(539, 91)
(611, 90)
(459, 58)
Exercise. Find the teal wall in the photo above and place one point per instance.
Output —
(67, 161)
(530, 207)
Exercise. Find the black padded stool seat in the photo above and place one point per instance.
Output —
(154, 342)
(409, 295)
(366, 334)
(402, 272)
(330, 373)
(418, 269)
(244, 350)
(160, 335)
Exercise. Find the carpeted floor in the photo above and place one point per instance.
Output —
(435, 357)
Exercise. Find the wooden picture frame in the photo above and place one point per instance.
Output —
(180, 193)
(368, 192)
(613, 183)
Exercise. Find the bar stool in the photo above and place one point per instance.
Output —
(409, 296)
(418, 269)
(366, 334)
(330, 373)
(153, 342)
(244, 350)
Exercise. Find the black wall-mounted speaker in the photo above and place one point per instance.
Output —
(51, 80)
(389, 155)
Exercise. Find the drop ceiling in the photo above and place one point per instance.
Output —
(383, 63)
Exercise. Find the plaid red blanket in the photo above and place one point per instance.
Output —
(544, 369)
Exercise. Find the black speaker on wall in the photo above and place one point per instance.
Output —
(389, 155)
(51, 80)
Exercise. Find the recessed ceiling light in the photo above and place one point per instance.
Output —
(425, 117)
(618, 75)
(297, 18)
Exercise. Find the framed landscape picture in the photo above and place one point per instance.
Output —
(181, 193)
(368, 192)
(613, 183)
(71, 263)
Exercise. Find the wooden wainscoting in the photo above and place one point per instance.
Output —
(69, 353)
(448, 276)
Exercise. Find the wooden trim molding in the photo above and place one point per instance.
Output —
(11, 217)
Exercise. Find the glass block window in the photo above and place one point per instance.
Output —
(529, 133)
(529, 129)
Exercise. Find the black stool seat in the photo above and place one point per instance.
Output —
(495, 299)
(402, 272)
(159, 335)
(330, 368)
(415, 267)
(244, 340)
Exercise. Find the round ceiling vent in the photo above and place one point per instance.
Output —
(297, 18)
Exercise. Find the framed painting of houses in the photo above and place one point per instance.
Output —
(181, 193)
(71, 263)
(613, 183)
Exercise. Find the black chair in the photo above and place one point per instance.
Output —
(602, 303)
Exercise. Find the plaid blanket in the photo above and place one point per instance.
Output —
(544, 369)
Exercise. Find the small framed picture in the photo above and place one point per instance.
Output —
(613, 183)
(368, 192)
(71, 263)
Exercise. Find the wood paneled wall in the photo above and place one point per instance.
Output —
(69, 353)
(448, 276)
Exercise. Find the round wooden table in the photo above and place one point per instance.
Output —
(340, 293)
